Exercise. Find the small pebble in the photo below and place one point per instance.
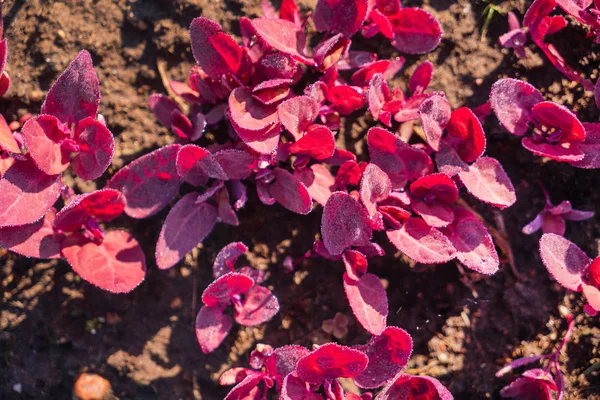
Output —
(91, 387)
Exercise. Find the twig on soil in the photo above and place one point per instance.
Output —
(162, 70)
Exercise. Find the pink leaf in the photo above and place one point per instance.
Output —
(163, 108)
(248, 389)
(235, 375)
(465, 128)
(33, 240)
(290, 192)
(225, 260)
(592, 295)
(561, 119)
(96, 149)
(448, 160)
(564, 260)
(259, 305)
(434, 114)
(363, 76)
(148, 183)
(196, 165)
(328, 52)
(237, 164)
(297, 114)
(102, 205)
(211, 328)
(318, 181)
(557, 152)
(225, 211)
(272, 91)
(294, 388)
(256, 123)
(331, 361)
(375, 186)
(343, 16)
(420, 79)
(216, 52)
(7, 140)
(422, 243)
(388, 354)
(356, 264)
(432, 196)
(283, 36)
(415, 31)
(76, 93)
(116, 265)
(487, 181)
(399, 160)
(590, 147)
(409, 387)
(27, 193)
(378, 94)
(186, 225)
(344, 224)
(43, 136)
(318, 143)
(220, 292)
(473, 243)
(512, 101)
(368, 301)
(283, 361)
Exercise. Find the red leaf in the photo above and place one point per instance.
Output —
(248, 389)
(318, 143)
(561, 119)
(283, 361)
(116, 265)
(356, 264)
(221, 290)
(43, 136)
(466, 128)
(349, 173)
(415, 31)
(256, 123)
(148, 183)
(343, 16)
(237, 164)
(388, 354)
(331, 361)
(102, 205)
(235, 375)
(163, 108)
(186, 225)
(34, 240)
(363, 76)
(297, 114)
(420, 79)
(344, 224)
(215, 52)
(294, 388)
(289, 10)
(409, 387)
(7, 140)
(557, 151)
(368, 301)
(96, 149)
(512, 101)
(290, 192)
(196, 165)
(27, 193)
(399, 160)
(76, 93)
(211, 328)
(564, 260)
(422, 243)
(346, 99)
(434, 114)
(328, 52)
(259, 305)
(473, 243)
(225, 260)
(375, 186)
(487, 181)
(283, 36)
(318, 181)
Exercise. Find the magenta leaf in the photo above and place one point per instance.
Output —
(346, 99)
(259, 305)
(465, 128)
(225, 260)
(187, 224)
(592, 295)
(368, 301)
(434, 114)
(297, 114)
(377, 95)
(590, 147)
(399, 160)
(33, 240)
(248, 389)
(415, 31)
(318, 181)
(148, 183)
(283, 36)
(76, 93)
(420, 79)
(344, 223)
(294, 388)
(388, 354)
(432, 197)
(43, 136)
(512, 101)
(222, 289)
(96, 149)
(235, 375)
(473, 243)
(343, 16)
(237, 164)
(256, 123)
(102, 205)
(7, 140)
(283, 361)
(356, 264)
(422, 243)
(331, 361)
(27, 193)
(564, 260)
(116, 265)
(318, 143)
(196, 165)
(328, 52)
(212, 326)
(288, 191)
(486, 180)
(375, 186)
(163, 108)
(216, 52)
(409, 387)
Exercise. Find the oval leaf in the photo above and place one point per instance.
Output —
(34, 240)
(512, 101)
(415, 31)
(486, 180)
(368, 301)
(290, 192)
(343, 16)
(43, 136)
(259, 305)
(344, 223)
(331, 361)
(220, 292)
(564, 260)
(211, 328)
(422, 242)
(297, 114)
(435, 114)
(102, 205)
(196, 165)
(96, 149)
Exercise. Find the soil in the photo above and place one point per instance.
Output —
(465, 326)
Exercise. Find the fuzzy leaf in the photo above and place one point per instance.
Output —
(148, 183)
(212, 326)
(590, 147)
(237, 164)
(343, 16)
(415, 31)
(410, 387)
(290, 192)
(344, 224)
(284, 360)
(116, 265)
(102, 205)
(512, 101)
(434, 114)
(466, 128)
(297, 114)
(259, 305)
(375, 186)
(196, 165)
(283, 36)
(420, 79)
(346, 99)
(163, 108)
(331, 361)
(328, 52)
(318, 181)
(564, 260)
(422, 243)
(318, 143)
(225, 260)
(368, 301)
(272, 91)
(36, 240)
(356, 264)
(43, 136)
(487, 181)
(222, 289)
(186, 225)
(7, 140)
(96, 149)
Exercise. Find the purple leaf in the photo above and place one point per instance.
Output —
(211, 328)
(564, 260)
(220, 292)
(435, 114)
(422, 243)
(486, 180)
(43, 136)
(318, 143)
(96, 149)
(76, 93)
(163, 108)
(465, 128)
(187, 224)
(225, 260)
(297, 114)
(284, 360)
(415, 31)
(34, 240)
(102, 205)
(148, 183)
(288, 191)
(237, 164)
(272, 91)
(343, 16)
(368, 301)
(375, 186)
(331, 361)
(344, 223)
(421, 77)
(432, 197)
(512, 101)
(590, 147)
(318, 181)
(409, 387)
(196, 165)
(259, 305)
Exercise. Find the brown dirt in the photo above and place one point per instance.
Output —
(465, 327)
